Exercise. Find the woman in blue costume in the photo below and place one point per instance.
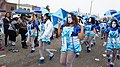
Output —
(103, 26)
(113, 41)
(46, 31)
(118, 52)
(28, 34)
(70, 33)
(90, 32)
(97, 28)
(33, 34)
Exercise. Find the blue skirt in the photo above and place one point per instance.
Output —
(110, 47)
(71, 45)
(46, 40)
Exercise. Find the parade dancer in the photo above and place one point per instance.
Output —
(118, 51)
(29, 31)
(103, 26)
(97, 28)
(90, 32)
(80, 20)
(46, 31)
(71, 33)
(113, 41)
(34, 32)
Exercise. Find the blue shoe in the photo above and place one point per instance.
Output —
(118, 57)
(108, 59)
(88, 49)
(41, 60)
(92, 45)
(32, 51)
(51, 56)
(15, 50)
(111, 65)
(36, 45)
(102, 38)
(77, 55)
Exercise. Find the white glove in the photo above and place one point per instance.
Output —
(96, 35)
(104, 43)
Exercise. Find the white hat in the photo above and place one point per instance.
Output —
(15, 16)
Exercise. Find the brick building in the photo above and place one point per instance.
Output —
(7, 6)
(33, 7)
(12, 6)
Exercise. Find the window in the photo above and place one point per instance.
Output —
(28, 9)
(12, 8)
(24, 8)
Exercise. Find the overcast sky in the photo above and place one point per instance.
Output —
(98, 6)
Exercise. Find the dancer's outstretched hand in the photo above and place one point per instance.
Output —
(59, 22)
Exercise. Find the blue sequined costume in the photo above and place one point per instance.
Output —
(113, 38)
(70, 40)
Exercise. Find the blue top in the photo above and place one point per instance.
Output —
(108, 23)
(90, 27)
(76, 30)
(37, 22)
(29, 27)
(97, 27)
(42, 28)
(35, 25)
(103, 25)
(113, 32)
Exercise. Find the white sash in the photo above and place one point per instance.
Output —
(74, 40)
(64, 43)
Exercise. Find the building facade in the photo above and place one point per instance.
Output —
(7, 6)
(12, 6)
(33, 7)
(25, 6)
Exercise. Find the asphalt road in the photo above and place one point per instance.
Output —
(26, 59)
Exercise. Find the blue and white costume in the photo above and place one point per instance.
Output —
(103, 27)
(46, 30)
(113, 38)
(29, 26)
(70, 40)
(89, 30)
(35, 25)
(42, 28)
(97, 29)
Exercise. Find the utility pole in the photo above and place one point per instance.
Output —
(18, 4)
(91, 6)
(78, 11)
